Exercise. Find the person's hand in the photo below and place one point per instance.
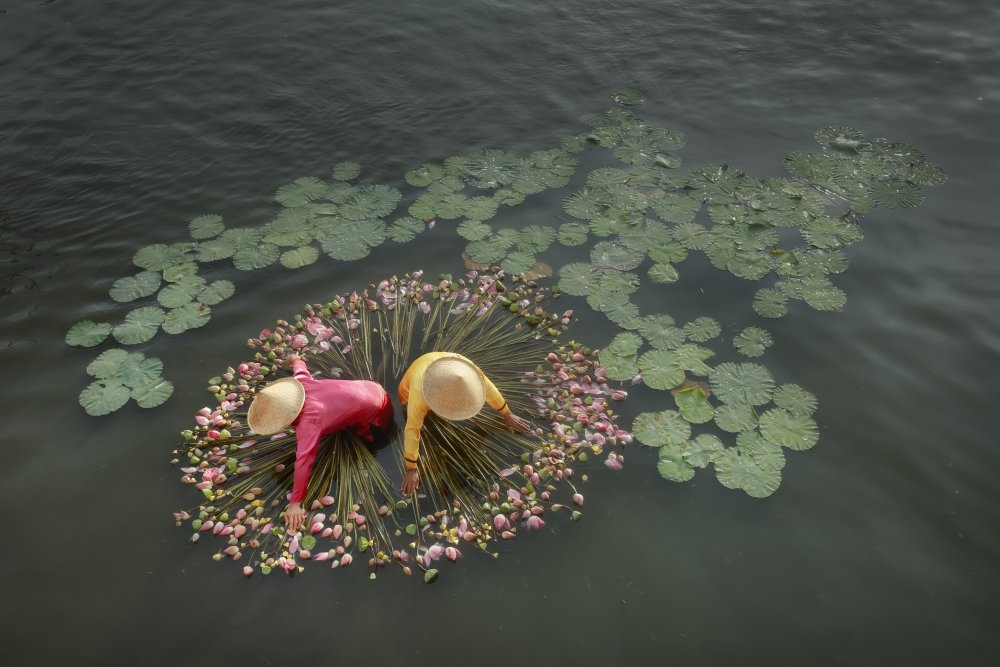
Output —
(295, 516)
(411, 480)
(515, 424)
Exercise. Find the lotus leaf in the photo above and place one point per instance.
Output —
(661, 369)
(672, 466)
(692, 358)
(897, 194)
(661, 333)
(611, 222)
(811, 166)
(749, 265)
(530, 180)
(518, 262)
(189, 316)
(736, 471)
(749, 384)
(242, 238)
(103, 397)
(607, 177)
(404, 229)
(176, 295)
(474, 230)
(553, 160)
(619, 367)
(752, 341)
(671, 252)
(575, 143)
(795, 399)
(257, 257)
(628, 96)
(646, 233)
(720, 252)
(819, 293)
(300, 192)
(354, 240)
(486, 251)
(926, 174)
(625, 344)
(572, 234)
(770, 303)
(702, 329)
(694, 406)
(508, 197)
(376, 201)
(702, 450)
(827, 232)
(107, 364)
(216, 249)
(663, 273)
(620, 310)
(795, 431)
(179, 272)
(844, 139)
(159, 256)
(87, 333)
(584, 204)
(821, 262)
(691, 235)
(346, 171)
(135, 287)
(424, 175)
(656, 429)
(578, 279)
(139, 326)
(216, 292)
(291, 239)
(426, 206)
(535, 238)
(153, 394)
(337, 193)
(492, 168)
(206, 226)
(137, 371)
(480, 208)
(615, 255)
(735, 417)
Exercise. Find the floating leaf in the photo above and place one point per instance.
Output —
(736, 471)
(702, 329)
(153, 394)
(663, 273)
(827, 232)
(375, 201)
(660, 331)
(672, 466)
(139, 326)
(620, 310)
(843, 139)
(215, 249)
(749, 384)
(783, 428)
(578, 279)
(897, 194)
(424, 175)
(354, 240)
(661, 369)
(492, 168)
(179, 272)
(694, 406)
(819, 293)
(473, 230)
(159, 256)
(535, 238)
(813, 166)
(625, 344)
(692, 358)
(176, 295)
(584, 204)
(107, 364)
(216, 292)
(206, 226)
(752, 341)
(691, 235)
(189, 316)
(299, 257)
(795, 399)
(702, 450)
(135, 287)
(480, 208)
(346, 171)
(735, 417)
(300, 192)
(749, 265)
(926, 174)
(518, 262)
(615, 255)
(256, 257)
(242, 238)
(103, 397)
(770, 303)
(404, 229)
(88, 333)
(655, 429)
(619, 367)
(138, 371)
(628, 96)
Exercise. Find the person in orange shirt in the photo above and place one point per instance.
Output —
(452, 387)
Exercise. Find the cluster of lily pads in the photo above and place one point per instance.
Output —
(244, 478)
(121, 375)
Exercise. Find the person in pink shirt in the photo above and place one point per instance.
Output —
(315, 408)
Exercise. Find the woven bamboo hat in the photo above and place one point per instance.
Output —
(453, 388)
(276, 406)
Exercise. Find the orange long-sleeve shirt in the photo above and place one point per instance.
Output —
(412, 396)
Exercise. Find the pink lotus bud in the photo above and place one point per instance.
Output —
(407, 571)
(315, 528)
(202, 420)
(578, 499)
(507, 535)
(404, 556)
(294, 546)
(435, 552)
(327, 532)
(213, 434)
(299, 341)
(338, 530)
(360, 520)
(247, 570)
(500, 522)
(239, 531)
(195, 537)
(452, 554)
(205, 412)
(230, 551)
(326, 501)
(346, 559)
(469, 536)
(304, 554)
(322, 556)
(534, 523)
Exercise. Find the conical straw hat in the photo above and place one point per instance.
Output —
(453, 388)
(276, 406)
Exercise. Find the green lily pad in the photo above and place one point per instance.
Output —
(424, 175)
(625, 344)
(926, 174)
(663, 273)
(843, 139)
(578, 279)
(795, 399)
(103, 397)
(897, 194)
(702, 329)
(535, 238)
(375, 201)
(474, 230)
(346, 171)
(735, 417)
(404, 229)
(153, 394)
(584, 204)
(242, 238)
(480, 208)
(694, 406)
(655, 429)
(619, 367)
(135, 287)
(299, 257)
(748, 384)
(138, 371)
(256, 257)
(620, 310)
(159, 256)
(215, 249)
(518, 262)
(812, 166)
(672, 466)
(827, 232)
(492, 168)
(206, 226)
(628, 96)
(189, 316)
(821, 294)
(216, 292)
(300, 192)
(783, 428)
(354, 240)
(107, 364)
(176, 295)
(752, 341)
(508, 197)
(749, 265)
(309, 542)
(661, 369)
(139, 326)
(736, 471)
(702, 450)
(764, 453)
(87, 333)
(769, 302)
(179, 272)
(615, 255)
(660, 331)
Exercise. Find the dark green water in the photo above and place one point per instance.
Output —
(119, 122)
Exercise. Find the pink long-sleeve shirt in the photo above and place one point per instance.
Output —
(332, 405)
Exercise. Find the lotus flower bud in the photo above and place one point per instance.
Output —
(346, 559)
(327, 532)
(469, 536)
(507, 535)
(578, 499)
(338, 530)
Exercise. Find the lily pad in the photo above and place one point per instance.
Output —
(107, 364)
(616, 255)
(517, 262)
(748, 384)
(735, 417)
(578, 279)
(215, 249)
(694, 406)
(159, 256)
(672, 466)
(783, 428)
(619, 367)
(404, 229)
(474, 230)
(821, 294)
(736, 471)
(137, 370)
(535, 238)
(655, 429)
(103, 397)
(663, 273)
(256, 257)
(769, 302)
(346, 171)
(702, 329)
(628, 96)
(897, 194)
(206, 227)
(625, 344)
(179, 272)
(135, 287)
(176, 295)
(480, 208)
(795, 399)
(88, 333)
(216, 292)
(752, 341)
(153, 394)
(424, 175)
(299, 257)
(660, 331)
(139, 326)
(300, 192)
(620, 310)
(189, 316)
(661, 369)
(702, 450)
(829, 233)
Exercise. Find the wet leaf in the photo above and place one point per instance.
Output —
(702, 329)
(176, 295)
(661, 369)
(625, 344)
(736, 471)
(103, 397)
(107, 364)
(404, 229)
(655, 429)
(616, 255)
(153, 394)
(672, 466)
(346, 171)
(517, 262)
(256, 257)
(897, 194)
(206, 226)
(783, 428)
(748, 384)
(189, 316)
(578, 279)
(180, 272)
(474, 230)
(663, 273)
(735, 417)
(137, 371)
(300, 192)
(661, 332)
(140, 325)
(770, 303)
(299, 257)
(135, 287)
(216, 292)
(795, 399)
(88, 333)
(159, 256)
(424, 175)
(752, 341)
(535, 238)
(694, 406)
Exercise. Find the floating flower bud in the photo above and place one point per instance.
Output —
(469, 536)
(305, 554)
(346, 559)
(338, 530)
(202, 420)
(578, 499)
(507, 535)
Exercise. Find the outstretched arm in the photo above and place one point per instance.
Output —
(512, 422)
(411, 448)
(305, 455)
